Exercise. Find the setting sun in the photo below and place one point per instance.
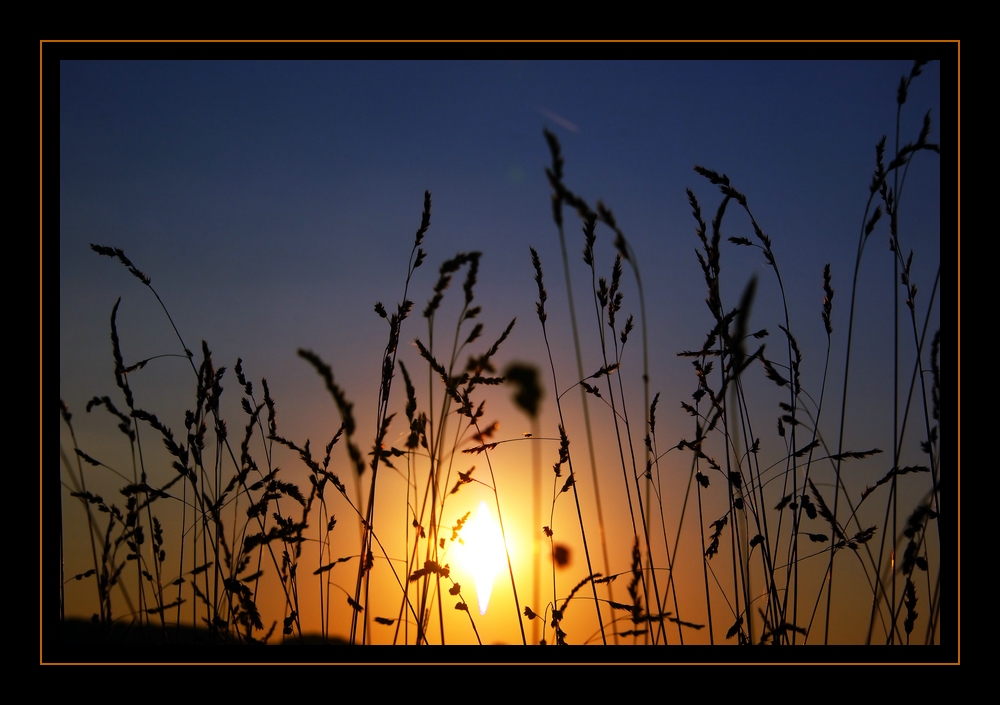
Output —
(482, 553)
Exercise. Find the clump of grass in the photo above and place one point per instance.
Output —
(201, 539)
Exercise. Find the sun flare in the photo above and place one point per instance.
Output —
(483, 553)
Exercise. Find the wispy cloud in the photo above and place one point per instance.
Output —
(558, 119)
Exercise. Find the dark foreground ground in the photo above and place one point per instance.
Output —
(82, 632)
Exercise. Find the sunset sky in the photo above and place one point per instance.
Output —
(273, 203)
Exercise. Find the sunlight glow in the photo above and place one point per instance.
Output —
(483, 555)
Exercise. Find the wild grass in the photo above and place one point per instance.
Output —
(764, 546)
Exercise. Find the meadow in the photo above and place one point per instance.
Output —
(534, 495)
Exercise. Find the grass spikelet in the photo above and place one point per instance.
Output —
(910, 602)
(345, 407)
(825, 512)
(120, 256)
(542, 296)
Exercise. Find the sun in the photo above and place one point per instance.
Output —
(483, 553)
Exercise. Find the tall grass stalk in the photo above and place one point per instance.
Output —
(564, 455)
(559, 197)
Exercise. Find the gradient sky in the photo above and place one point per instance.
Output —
(272, 203)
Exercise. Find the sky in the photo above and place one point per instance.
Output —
(273, 203)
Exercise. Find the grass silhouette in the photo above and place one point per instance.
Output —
(768, 547)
